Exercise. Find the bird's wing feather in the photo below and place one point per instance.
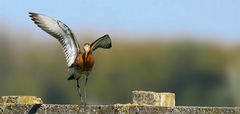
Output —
(102, 42)
(61, 32)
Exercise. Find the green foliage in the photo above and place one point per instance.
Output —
(195, 71)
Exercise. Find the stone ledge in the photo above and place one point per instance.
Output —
(144, 102)
(111, 109)
(21, 100)
(165, 99)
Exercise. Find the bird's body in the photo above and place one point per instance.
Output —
(82, 66)
(85, 63)
(80, 63)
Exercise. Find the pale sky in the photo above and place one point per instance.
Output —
(217, 17)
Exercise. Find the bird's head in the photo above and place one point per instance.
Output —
(86, 47)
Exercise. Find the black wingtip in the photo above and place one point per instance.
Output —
(106, 35)
(33, 17)
(32, 14)
(110, 45)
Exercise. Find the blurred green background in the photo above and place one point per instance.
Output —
(200, 73)
(201, 69)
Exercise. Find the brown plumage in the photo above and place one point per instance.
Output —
(84, 63)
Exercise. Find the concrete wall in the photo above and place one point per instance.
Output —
(111, 109)
(144, 102)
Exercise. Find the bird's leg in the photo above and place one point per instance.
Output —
(79, 91)
(85, 93)
(86, 80)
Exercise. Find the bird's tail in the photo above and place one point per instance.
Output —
(71, 77)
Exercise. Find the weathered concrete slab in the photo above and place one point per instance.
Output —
(111, 109)
(21, 99)
(165, 99)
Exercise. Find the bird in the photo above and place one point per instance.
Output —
(79, 62)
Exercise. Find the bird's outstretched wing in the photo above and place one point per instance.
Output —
(61, 32)
(102, 42)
